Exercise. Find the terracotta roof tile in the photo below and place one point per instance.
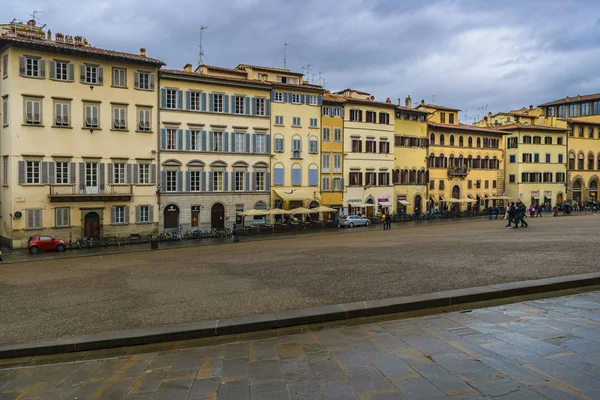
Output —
(200, 75)
(365, 101)
(465, 127)
(234, 71)
(399, 107)
(352, 90)
(282, 70)
(439, 107)
(88, 50)
(579, 121)
(576, 99)
(514, 126)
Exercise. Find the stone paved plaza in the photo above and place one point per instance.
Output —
(76, 296)
(537, 349)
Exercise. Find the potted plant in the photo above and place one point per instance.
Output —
(59, 37)
(78, 40)
(69, 39)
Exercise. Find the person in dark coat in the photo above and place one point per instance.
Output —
(538, 211)
(511, 215)
(521, 212)
(388, 221)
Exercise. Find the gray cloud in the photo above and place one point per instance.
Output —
(467, 54)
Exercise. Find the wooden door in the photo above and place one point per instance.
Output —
(171, 217)
(92, 225)
(217, 216)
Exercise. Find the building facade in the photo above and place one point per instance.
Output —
(215, 146)
(465, 162)
(410, 176)
(78, 138)
(332, 152)
(368, 160)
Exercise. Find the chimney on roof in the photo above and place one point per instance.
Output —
(187, 67)
(143, 52)
(49, 35)
(399, 102)
(408, 102)
(422, 102)
(531, 106)
(388, 100)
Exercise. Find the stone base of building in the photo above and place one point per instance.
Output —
(207, 211)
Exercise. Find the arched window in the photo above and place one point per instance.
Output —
(470, 141)
(460, 141)
(431, 160)
(495, 163)
(486, 162)
(451, 140)
(432, 138)
(478, 142)
(260, 205)
(598, 160)
(572, 161)
(442, 141)
(591, 161)
(396, 176)
(461, 161)
(451, 160)
(477, 163)
(580, 161)
(412, 178)
(421, 177)
(470, 162)
(405, 176)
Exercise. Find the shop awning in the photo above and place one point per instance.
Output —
(442, 198)
(404, 202)
(385, 203)
(295, 194)
(480, 197)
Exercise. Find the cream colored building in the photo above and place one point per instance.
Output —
(78, 138)
(215, 146)
(368, 154)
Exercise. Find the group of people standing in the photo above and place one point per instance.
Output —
(386, 221)
(516, 215)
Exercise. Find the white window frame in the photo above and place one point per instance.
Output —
(171, 99)
(5, 66)
(118, 75)
(195, 181)
(260, 180)
(62, 115)
(171, 139)
(261, 143)
(337, 162)
(144, 81)
(325, 184)
(61, 70)
(260, 107)
(337, 184)
(240, 145)
(62, 172)
(119, 215)
(337, 134)
(240, 177)
(313, 100)
(89, 120)
(144, 120)
(33, 172)
(278, 97)
(32, 67)
(218, 181)
(296, 148)
(143, 177)
(34, 219)
(295, 99)
(5, 170)
(62, 217)
(144, 214)
(326, 134)
(5, 111)
(239, 105)
(91, 74)
(171, 181)
(119, 171)
(33, 118)
(218, 141)
(195, 138)
(326, 162)
(314, 123)
(195, 104)
(119, 118)
(296, 121)
(218, 100)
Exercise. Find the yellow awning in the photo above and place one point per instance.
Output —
(294, 194)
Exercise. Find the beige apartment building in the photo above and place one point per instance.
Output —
(77, 138)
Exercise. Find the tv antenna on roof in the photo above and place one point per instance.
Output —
(201, 51)
(285, 45)
(34, 15)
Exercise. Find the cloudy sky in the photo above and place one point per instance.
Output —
(467, 54)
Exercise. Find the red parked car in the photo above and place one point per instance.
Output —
(44, 243)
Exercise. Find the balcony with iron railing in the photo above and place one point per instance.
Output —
(458, 171)
(65, 193)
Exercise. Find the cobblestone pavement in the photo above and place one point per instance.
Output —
(86, 295)
(537, 349)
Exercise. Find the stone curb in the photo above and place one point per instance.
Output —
(253, 323)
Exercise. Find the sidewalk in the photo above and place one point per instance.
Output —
(541, 349)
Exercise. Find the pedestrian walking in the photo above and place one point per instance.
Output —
(388, 221)
(538, 211)
(510, 215)
(532, 211)
(521, 211)
(383, 222)
(490, 212)
(496, 212)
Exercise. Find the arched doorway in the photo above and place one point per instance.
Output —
(217, 216)
(92, 225)
(171, 217)
(593, 191)
(456, 192)
(418, 201)
(370, 209)
(577, 191)
(559, 199)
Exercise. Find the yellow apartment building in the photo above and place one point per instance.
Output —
(410, 176)
(465, 162)
(332, 151)
(520, 116)
(214, 147)
(77, 138)
(535, 163)
(581, 116)
(295, 135)
(368, 159)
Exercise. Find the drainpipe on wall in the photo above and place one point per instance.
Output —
(158, 145)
